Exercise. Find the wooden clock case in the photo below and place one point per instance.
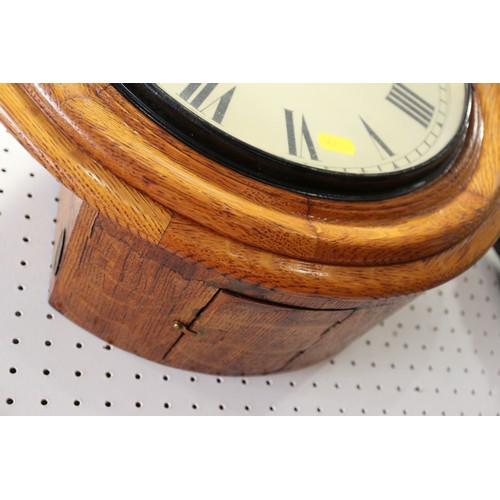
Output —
(167, 254)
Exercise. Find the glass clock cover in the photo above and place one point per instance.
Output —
(358, 141)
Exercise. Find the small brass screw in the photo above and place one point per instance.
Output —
(178, 325)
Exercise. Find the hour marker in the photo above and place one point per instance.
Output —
(411, 103)
(200, 98)
(304, 134)
(330, 127)
(377, 140)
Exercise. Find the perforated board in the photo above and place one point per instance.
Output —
(438, 356)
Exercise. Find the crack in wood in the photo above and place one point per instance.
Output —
(187, 328)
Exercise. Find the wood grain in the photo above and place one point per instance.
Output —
(242, 267)
(241, 336)
(133, 294)
(121, 287)
(249, 267)
(175, 258)
(398, 230)
(77, 171)
(340, 336)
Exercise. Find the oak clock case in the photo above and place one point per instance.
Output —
(182, 252)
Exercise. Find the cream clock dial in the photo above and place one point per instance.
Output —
(331, 140)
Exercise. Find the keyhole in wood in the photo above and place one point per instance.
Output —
(59, 251)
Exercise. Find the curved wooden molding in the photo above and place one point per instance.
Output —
(403, 229)
(181, 261)
(256, 238)
(81, 174)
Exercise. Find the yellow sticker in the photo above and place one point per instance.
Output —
(337, 144)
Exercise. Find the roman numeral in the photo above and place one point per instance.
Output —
(411, 103)
(304, 136)
(377, 140)
(190, 91)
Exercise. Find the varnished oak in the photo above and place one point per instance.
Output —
(107, 127)
(75, 169)
(245, 336)
(179, 260)
(120, 286)
(140, 297)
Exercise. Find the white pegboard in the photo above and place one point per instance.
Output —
(438, 356)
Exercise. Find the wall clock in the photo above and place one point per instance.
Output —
(248, 229)
(330, 140)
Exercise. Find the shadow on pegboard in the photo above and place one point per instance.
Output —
(496, 246)
(484, 330)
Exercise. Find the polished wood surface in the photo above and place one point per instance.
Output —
(179, 260)
(468, 199)
(77, 171)
(141, 298)
(369, 233)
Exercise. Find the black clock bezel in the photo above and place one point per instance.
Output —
(265, 167)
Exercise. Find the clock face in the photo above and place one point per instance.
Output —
(331, 140)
